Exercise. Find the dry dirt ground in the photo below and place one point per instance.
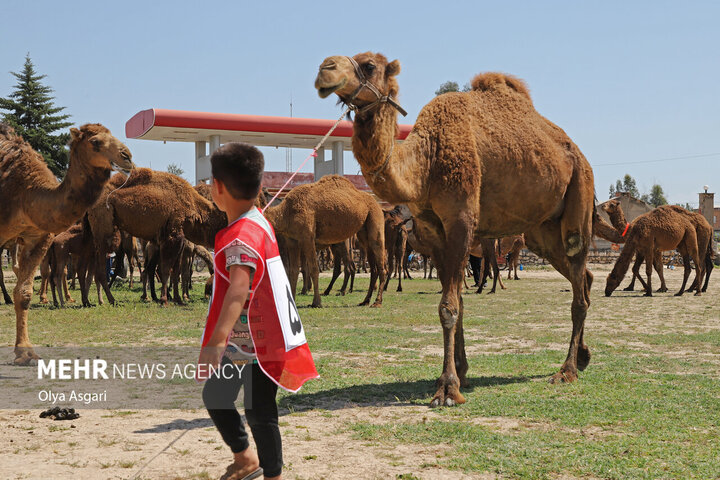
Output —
(183, 444)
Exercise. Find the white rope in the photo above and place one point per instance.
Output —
(313, 154)
(107, 205)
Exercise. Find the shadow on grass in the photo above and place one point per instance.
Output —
(178, 424)
(386, 394)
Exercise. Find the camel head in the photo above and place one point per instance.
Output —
(611, 206)
(613, 281)
(98, 148)
(363, 80)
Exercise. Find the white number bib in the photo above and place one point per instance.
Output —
(287, 312)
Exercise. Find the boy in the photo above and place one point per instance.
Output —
(253, 335)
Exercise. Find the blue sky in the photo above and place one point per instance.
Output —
(628, 81)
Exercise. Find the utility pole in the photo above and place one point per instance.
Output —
(288, 151)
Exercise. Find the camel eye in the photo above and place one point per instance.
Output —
(369, 68)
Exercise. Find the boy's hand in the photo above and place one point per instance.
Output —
(210, 356)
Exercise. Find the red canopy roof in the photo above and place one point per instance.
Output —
(187, 126)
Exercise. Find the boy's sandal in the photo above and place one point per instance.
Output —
(232, 474)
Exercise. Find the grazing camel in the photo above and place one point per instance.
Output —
(617, 218)
(36, 206)
(667, 227)
(511, 247)
(157, 206)
(327, 212)
(452, 172)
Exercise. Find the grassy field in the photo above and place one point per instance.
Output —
(648, 406)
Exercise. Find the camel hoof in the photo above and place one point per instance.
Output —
(649, 294)
(376, 305)
(312, 305)
(25, 357)
(435, 403)
(679, 294)
(629, 289)
(697, 294)
(363, 304)
(563, 377)
(449, 402)
(44, 301)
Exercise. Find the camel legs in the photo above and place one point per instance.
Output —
(373, 239)
(29, 256)
(170, 251)
(337, 254)
(307, 247)
(546, 240)
(450, 267)
(6, 296)
(400, 254)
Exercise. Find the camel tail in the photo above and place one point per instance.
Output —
(489, 80)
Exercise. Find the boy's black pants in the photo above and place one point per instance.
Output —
(475, 266)
(219, 395)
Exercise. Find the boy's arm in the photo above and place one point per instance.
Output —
(230, 311)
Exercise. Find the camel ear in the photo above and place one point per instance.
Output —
(75, 134)
(392, 69)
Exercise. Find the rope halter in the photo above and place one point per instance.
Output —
(365, 83)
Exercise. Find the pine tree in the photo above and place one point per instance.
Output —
(35, 117)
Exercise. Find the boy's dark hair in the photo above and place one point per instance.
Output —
(239, 167)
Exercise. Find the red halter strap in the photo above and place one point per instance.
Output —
(627, 226)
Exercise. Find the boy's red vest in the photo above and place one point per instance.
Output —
(275, 327)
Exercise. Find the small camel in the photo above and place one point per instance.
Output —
(511, 247)
(37, 206)
(617, 218)
(452, 171)
(486, 249)
(395, 243)
(326, 212)
(667, 227)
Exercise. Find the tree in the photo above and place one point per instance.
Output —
(34, 116)
(175, 169)
(657, 196)
(612, 191)
(451, 86)
(630, 186)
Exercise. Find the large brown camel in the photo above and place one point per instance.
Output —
(452, 170)
(326, 212)
(157, 206)
(36, 206)
(667, 227)
(618, 220)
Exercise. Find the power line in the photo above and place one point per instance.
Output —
(686, 157)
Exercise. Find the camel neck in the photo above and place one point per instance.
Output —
(62, 206)
(618, 221)
(395, 172)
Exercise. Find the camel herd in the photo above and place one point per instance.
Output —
(451, 172)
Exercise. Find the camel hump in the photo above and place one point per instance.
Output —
(6, 132)
(490, 80)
